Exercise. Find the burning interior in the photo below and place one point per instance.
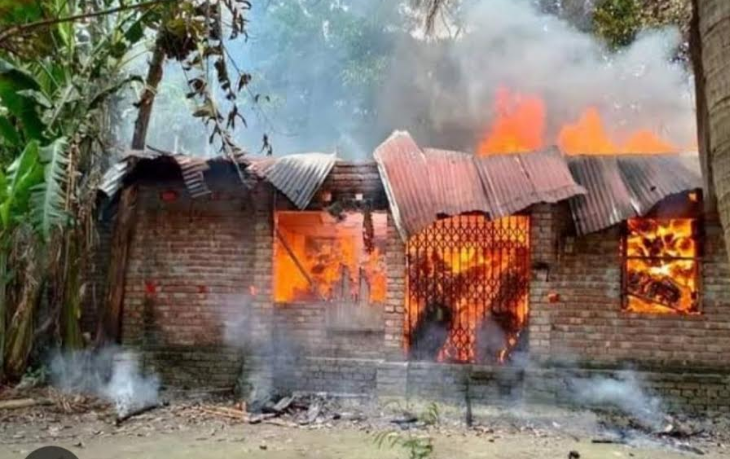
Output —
(661, 266)
(467, 289)
(320, 257)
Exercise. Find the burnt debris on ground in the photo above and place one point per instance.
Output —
(56, 416)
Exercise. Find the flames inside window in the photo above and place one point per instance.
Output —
(467, 289)
(661, 266)
(318, 257)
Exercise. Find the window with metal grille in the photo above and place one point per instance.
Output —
(661, 266)
(467, 289)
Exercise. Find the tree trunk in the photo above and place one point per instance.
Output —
(71, 308)
(19, 340)
(703, 133)
(110, 317)
(713, 61)
(154, 76)
(3, 308)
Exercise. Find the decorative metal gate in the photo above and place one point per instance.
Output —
(467, 289)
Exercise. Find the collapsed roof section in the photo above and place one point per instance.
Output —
(424, 185)
(298, 177)
(626, 186)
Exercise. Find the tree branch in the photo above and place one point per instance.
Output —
(15, 30)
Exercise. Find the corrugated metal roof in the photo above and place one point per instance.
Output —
(456, 183)
(192, 169)
(625, 186)
(298, 177)
(113, 178)
(425, 185)
(193, 172)
(608, 201)
(402, 167)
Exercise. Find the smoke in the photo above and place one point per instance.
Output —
(341, 75)
(360, 69)
(625, 394)
(444, 91)
(250, 331)
(110, 373)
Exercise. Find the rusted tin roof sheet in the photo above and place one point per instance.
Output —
(625, 186)
(298, 177)
(423, 185)
(607, 202)
(455, 182)
(403, 170)
(193, 170)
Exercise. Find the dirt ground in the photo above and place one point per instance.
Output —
(186, 428)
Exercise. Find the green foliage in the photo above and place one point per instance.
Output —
(617, 21)
(14, 97)
(48, 198)
(432, 415)
(417, 446)
(22, 176)
(55, 82)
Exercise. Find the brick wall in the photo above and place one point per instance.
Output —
(328, 345)
(394, 309)
(197, 265)
(587, 323)
(96, 276)
(192, 264)
(686, 392)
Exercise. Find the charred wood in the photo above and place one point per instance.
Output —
(138, 411)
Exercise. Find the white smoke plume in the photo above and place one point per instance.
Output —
(626, 394)
(444, 91)
(343, 74)
(110, 374)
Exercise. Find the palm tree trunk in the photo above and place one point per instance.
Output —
(713, 61)
(703, 125)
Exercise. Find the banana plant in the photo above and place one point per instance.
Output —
(52, 98)
(23, 175)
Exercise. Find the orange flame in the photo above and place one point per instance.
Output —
(645, 141)
(587, 135)
(519, 127)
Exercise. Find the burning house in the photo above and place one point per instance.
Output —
(424, 271)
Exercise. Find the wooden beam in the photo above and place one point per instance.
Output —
(298, 264)
(110, 315)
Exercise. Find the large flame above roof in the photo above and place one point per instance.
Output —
(520, 123)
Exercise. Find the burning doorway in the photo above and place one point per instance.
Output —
(467, 289)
